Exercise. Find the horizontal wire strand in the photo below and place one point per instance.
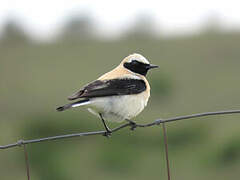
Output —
(156, 122)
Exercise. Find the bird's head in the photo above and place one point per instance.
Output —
(138, 64)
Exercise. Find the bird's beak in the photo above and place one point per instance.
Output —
(151, 66)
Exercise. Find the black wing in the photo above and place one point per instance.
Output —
(113, 87)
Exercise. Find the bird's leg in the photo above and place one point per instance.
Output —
(132, 124)
(108, 131)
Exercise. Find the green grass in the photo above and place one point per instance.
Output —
(198, 73)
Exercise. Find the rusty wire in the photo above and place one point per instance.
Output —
(26, 161)
(133, 126)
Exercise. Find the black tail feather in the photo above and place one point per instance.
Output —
(67, 106)
(62, 108)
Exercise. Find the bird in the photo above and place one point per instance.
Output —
(118, 95)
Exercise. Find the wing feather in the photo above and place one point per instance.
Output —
(114, 87)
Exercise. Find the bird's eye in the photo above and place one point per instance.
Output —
(135, 62)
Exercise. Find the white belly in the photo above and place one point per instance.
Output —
(118, 108)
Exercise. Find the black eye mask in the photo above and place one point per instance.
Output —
(137, 67)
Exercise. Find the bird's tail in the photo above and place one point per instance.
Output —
(75, 104)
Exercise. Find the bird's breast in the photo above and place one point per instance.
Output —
(118, 108)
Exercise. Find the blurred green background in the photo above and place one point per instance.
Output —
(197, 73)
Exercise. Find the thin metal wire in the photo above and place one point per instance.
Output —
(166, 150)
(26, 161)
(157, 122)
(133, 126)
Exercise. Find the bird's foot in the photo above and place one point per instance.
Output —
(133, 125)
(107, 133)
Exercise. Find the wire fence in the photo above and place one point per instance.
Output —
(23, 143)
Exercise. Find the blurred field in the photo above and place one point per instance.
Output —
(197, 73)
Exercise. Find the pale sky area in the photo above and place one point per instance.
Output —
(44, 18)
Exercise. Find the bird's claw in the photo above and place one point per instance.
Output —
(133, 125)
(107, 133)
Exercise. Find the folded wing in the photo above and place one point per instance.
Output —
(114, 87)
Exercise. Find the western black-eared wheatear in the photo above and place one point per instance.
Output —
(118, 95)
